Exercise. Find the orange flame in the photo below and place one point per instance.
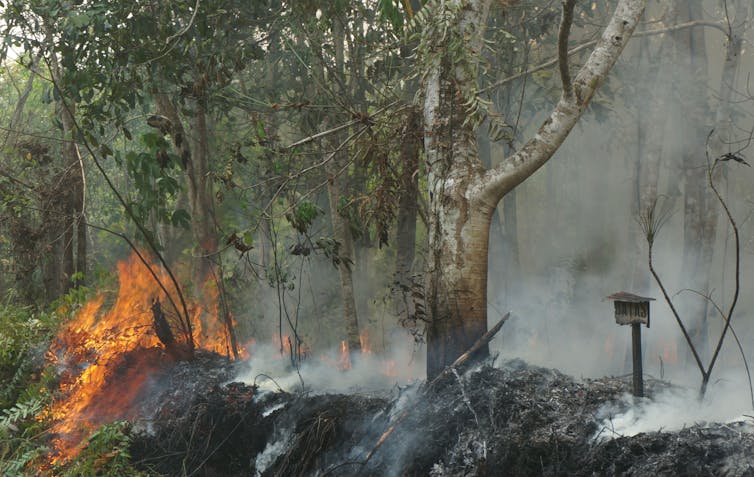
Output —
(366, 346)
(106, 357)
(344, 361)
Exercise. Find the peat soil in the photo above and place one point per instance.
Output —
(513, 419)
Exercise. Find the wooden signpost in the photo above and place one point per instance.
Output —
(633, 310)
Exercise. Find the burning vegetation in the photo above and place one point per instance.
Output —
(186, 417)
(129, 360)
(109, 356)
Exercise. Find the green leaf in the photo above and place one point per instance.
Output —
(80, 20)
(180, 218)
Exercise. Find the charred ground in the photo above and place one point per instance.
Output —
(515, 419)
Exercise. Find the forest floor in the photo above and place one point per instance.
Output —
(513, 419)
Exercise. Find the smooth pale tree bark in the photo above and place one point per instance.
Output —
(463, 194)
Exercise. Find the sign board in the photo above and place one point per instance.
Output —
(630, 313)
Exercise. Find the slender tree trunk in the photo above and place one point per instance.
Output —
(72, 198)
(336, 169)
(700, 207)
(200, 198)
(342, 234)
(651, 126)
(405, 236)
(195, 159)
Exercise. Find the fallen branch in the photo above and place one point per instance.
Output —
(448, 370)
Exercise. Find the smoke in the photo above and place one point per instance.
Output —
(676, 408)
(578, 241)
(325, 373)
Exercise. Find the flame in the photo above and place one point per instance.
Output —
(366, 346)
(283, 346)
(344, 361)
(105, 357)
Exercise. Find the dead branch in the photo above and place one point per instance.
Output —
(678, 320)
(710, 170)
(648, 222)
(735, 337)
(486, 338)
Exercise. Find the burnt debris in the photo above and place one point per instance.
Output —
(511, 420)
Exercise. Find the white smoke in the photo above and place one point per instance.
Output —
(325, 374)
(676, 408)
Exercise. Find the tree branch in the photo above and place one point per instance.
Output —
(513, 170)
(566, 20)
(339, 128)
(589, 44)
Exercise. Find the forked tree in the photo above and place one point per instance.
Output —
(462, 193)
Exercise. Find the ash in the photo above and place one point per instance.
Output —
(515, 419)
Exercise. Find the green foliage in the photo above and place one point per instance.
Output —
(23, 333)
(444, 39)
(390, 10)
(105, 455)
(20, 435)
(303, 215)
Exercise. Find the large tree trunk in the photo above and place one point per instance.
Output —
(462, 194)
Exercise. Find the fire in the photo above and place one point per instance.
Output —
(344, 361)
(366, 346)
(106, 356)
(284, 345)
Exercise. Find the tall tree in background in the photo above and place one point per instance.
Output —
(462, 194)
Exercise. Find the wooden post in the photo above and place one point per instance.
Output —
(633, 310)
(638, 373)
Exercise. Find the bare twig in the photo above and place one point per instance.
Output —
(651, 221)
